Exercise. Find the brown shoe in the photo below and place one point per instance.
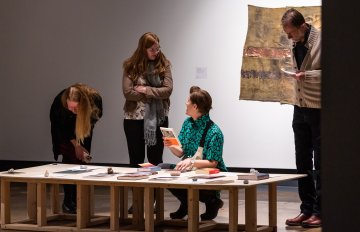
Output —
(312, 222)
(297, 221)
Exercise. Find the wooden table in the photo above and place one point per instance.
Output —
(143, 199)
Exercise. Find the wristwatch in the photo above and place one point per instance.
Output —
(192, 161)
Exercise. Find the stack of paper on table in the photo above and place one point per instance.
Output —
(208, 176)
(253, 176)
(134, 176)
(148, 167)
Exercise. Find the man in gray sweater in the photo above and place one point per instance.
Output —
(306, 54)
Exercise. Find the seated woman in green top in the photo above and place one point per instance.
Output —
(198, 106)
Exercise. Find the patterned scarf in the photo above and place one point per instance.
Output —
(154, 109)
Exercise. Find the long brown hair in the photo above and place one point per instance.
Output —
(137, 64)
(87, 109)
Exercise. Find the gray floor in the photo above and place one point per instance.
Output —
(288, 206)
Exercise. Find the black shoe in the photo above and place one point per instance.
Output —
(68, 209)
(131, 210)
(212, 209)
(180, 213)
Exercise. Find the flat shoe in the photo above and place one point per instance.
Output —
(312, 222)
(297, 221)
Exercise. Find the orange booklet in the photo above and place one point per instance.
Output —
(146, 165)
(207, 171)
(170, 135)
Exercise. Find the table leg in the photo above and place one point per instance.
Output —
(138, 206)
(83, 206)
(250, 209)
(193, 210)
(31, 200)
(149, 209)
(0, 202)
(233, 209)
(91, 200)
(54, 198)
(114, 208)
(5, 202)
(41, 204)
(272, 205)
(123, 203)
(159, 194)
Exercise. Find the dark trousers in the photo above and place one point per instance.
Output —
(134, 131)
(69, 195)
(69, 157)
(306, 126)
(205, 196)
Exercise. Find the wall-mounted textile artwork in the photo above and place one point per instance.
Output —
(267, 51)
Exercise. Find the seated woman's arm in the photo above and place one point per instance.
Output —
(186, 164)
(176, 150)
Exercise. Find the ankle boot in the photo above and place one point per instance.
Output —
(180, 213)
(212, 209)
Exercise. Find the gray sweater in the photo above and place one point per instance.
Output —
(308, 91)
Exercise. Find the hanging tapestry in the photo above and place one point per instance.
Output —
(267, 51)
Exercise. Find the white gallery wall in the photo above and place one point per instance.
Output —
(47, 45)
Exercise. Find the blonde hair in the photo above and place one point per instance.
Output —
(87, 110)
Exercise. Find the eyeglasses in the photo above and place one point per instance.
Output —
(154, 50)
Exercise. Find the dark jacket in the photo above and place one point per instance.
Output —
(63, 124)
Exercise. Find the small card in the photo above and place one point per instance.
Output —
(289, 72)
(170, 135)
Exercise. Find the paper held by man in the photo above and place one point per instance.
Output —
(288, 71)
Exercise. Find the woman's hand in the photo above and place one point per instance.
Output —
(140, 89)
(167, 142)
(184, 165)
(81, 152)
(175, 149)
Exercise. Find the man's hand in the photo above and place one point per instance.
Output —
(299, 76)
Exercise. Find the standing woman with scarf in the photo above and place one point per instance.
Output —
(147, 86)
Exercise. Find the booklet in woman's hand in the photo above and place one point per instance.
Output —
(170, 135)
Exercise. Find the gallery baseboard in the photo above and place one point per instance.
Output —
(18, 164)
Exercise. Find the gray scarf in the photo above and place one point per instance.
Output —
(154, 109)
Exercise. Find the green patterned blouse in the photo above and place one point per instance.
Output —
(190, 136)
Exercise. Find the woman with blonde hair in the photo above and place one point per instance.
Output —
(73, 114)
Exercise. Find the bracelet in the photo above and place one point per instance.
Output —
(192, 161)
